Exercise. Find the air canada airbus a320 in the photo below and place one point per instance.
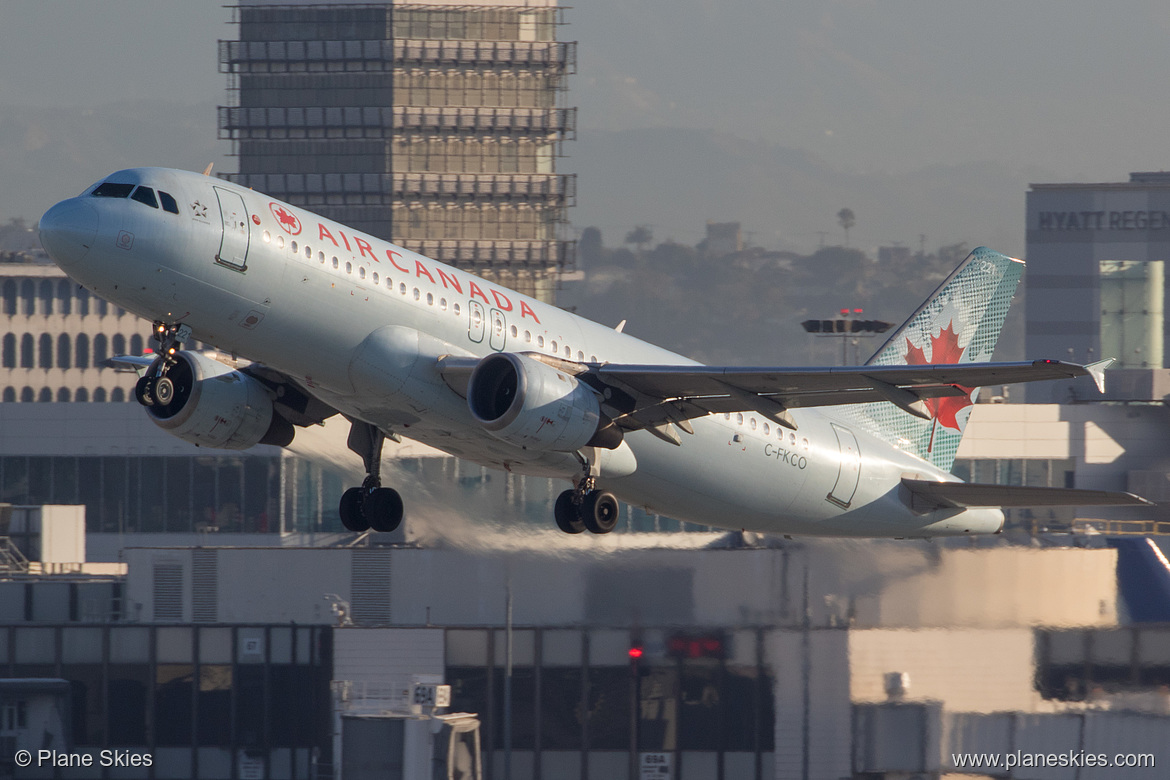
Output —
(339, 322)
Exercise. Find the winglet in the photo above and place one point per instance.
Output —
(621, 326)
(1097, 371)
(207, 170)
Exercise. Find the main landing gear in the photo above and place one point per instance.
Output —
(585, 508)
(371, 505)
(155, 387)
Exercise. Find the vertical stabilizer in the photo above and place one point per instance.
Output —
(959, 323)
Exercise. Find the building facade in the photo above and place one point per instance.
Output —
(1095, 283)
(433, 125)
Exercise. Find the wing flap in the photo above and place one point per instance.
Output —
(927, 496)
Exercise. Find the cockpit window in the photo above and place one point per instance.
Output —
(112, 189)
(145, 195)
(168, 203)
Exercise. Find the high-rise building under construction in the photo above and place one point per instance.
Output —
(433, 125)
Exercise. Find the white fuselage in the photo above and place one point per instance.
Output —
(319, 301)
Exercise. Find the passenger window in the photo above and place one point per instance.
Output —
(375, 277)
(349, 268)
(335, 263)
(792, 438)
(417, 294)
(528, 336)
(554, 347)
(113, 190)
(455, 308)
(804, 443)
(280, 242)
(294, 247)
(767, 429)
(267, 236)
(540, 341)
(321, 258)
(753, 423)
(739, 418)
(430, 299)
(168, 202)
(402, 288)
(362, 272)
(569, 353)
(513, 330)
(442, 304)
(308, 252)
(580, 356)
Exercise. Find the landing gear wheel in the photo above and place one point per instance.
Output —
(568, 514)
(164, 390)
(351, 511)
(599, 511)
(144, 391)
(382, 507)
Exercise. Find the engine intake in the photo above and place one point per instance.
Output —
(217, 406)
(533, 405)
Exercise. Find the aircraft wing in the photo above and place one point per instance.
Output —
(927, 496)
(655, 397)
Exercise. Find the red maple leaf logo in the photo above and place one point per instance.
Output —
(944, 348)
(286, 219)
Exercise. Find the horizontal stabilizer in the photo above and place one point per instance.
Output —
(927, 496)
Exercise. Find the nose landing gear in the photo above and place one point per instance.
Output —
(371, 505)
(156, 388)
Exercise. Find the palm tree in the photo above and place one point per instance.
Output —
(847, 219)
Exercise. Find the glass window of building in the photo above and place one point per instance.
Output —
(45, 351)
(64, 351)
(45, 396)
(48, 295)
(9, 297)
(82, 395)
(63, 395)
(28, 294)
(65, 296)
(81, 351)
(8, 351)
(9, 395)
(28, 356)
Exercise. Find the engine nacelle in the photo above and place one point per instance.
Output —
(533, 405)
(217, 406)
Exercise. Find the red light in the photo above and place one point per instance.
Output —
(844, 312)
(635, 653)
(857, 311)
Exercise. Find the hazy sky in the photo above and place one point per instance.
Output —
(1073, 87)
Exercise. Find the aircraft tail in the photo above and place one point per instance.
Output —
(959, 323)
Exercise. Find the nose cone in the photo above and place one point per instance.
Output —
(68, 230)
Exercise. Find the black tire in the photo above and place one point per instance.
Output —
(568, 514)
(164, 390)
(600, 511)
(350, 510)
(144, 390)
(383, 509)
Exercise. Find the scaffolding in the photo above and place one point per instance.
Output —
(435, 127)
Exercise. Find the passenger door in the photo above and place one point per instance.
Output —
(233, 248)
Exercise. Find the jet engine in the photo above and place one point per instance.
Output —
(213, 405)
(533, 405)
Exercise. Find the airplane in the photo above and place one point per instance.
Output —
(336, 321)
